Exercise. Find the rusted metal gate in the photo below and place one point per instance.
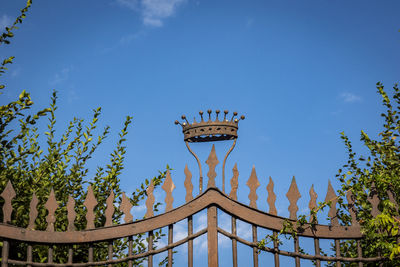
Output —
(213, 200)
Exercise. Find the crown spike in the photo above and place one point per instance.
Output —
(210, 130)
(225, 113)
(209, 114)
(233, 115)
(242, 117)
(184, 118)
(217, 113)
(201, 115)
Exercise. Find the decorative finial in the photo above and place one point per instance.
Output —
(209, 114)
(211, 130)
(201, 115)
(184, 118)
(234, 115)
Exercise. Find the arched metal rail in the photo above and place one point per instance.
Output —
(211, 197)
(212, 200)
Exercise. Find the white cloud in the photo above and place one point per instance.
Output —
(350, 97)
(61, 76)
(5, 21)
(132, 4)
(15, 72)
(153, 11)
(249, 22)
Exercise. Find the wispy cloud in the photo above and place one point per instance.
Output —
(5, 21)
(249, 22)
(153, 12)
(15, 72)
(350, 97)
(61, 76)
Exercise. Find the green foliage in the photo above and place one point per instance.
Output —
(376, 174)
(60, 164)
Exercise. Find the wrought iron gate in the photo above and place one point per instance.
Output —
(213, 200)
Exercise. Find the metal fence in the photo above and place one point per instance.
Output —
(213, 200)
(90, 241)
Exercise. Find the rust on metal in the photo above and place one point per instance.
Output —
(331, 197)
(234, 242)
(190, 242)
(51, 205)
(313, 200)
(271, 197)
(350, 207)
(392, 198)
(209, 130)
(212, 236)
(168, 187)
(170, 241)
(199, 164)
(8, 194)
(150, 248)
(33, 211)
(234, 183)
(188, 184)
(224, 162)
(71, 214)
(255, 250)
(110, 209)
(293, 196)
(276, 248)
(90, 203)
(317, 251)
(212, 162)
(150, 200)
(253, 184)
(337, 250)
(126, 207)
(373, 198)
(296, 250)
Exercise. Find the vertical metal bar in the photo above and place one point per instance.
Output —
(150, 248)
(29, 255)
(50, 254)
(212, 236)
(359, 252)
(297, 250)
(4, 253)
(255, 250)
(198, 163)
(130, 248)
(190, 242)
(223, 164)
(70, 254)
(317, 252)
(90, 256)
(337, 247)
(110, 252)
(234, 243)
(276, 248)
(170, 240)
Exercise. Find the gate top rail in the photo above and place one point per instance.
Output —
(212, 197)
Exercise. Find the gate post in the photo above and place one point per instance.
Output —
(4, 253)
(212, 236)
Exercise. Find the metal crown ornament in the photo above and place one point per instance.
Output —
(210, 130)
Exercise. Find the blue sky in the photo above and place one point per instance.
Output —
(300, 71)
